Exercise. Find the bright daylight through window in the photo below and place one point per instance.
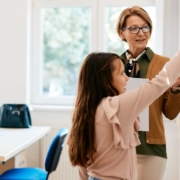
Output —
(63, 37)
(65, 44)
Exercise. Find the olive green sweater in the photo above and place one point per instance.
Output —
(153, 142)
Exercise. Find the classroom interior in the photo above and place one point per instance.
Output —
(20, 65)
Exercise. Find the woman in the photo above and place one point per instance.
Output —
(104, 135)
(134, 26)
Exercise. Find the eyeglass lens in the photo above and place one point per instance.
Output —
(137, 29)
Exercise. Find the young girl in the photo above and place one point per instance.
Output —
(105, 121)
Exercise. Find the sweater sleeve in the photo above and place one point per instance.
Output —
(171, 104)
(122, 111)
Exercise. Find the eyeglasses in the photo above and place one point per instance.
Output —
(135, 30)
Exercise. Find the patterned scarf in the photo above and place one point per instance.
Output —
(132, 67)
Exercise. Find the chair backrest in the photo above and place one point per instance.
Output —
(55, 150)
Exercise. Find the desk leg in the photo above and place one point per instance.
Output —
(7, 165)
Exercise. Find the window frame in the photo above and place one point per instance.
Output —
(96, 43)
(37, 46)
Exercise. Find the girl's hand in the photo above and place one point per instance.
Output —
(176, 85)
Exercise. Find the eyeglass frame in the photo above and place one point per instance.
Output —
(138, 28)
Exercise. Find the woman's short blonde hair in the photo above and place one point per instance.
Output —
(135, 10)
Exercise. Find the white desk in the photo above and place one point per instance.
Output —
(13, 141)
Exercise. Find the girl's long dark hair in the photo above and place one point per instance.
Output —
(95, 83)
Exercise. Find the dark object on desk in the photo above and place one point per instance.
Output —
(52, 159)
(15, 116)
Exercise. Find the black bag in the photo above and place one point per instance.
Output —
(15, 116)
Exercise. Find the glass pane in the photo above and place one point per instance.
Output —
(113, 42)
(65, 45)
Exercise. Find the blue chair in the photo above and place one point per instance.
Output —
(52, 159)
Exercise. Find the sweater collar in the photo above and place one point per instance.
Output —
(149, 53)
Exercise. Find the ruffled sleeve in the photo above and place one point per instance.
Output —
(122, 139)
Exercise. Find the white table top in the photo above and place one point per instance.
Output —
(13, 140)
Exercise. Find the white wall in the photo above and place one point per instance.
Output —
(173, 160)
(15, 82)
(170, 27)
(13, 50)
(167, 27)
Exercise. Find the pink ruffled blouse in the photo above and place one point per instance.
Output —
(117, 123)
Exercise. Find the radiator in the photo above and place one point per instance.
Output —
(64, 170)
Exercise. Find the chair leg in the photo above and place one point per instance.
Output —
(47, 176)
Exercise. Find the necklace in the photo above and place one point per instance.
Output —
(132, 68)
(130, 59)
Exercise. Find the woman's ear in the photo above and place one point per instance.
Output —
(121, 35)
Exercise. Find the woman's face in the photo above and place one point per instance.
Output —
(119, 78)
(139, 40)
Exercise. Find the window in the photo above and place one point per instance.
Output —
(63, 34)
(65, 44)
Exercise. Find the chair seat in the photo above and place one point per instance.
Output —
(24, 174)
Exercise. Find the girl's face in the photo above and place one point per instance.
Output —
(119, 78)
